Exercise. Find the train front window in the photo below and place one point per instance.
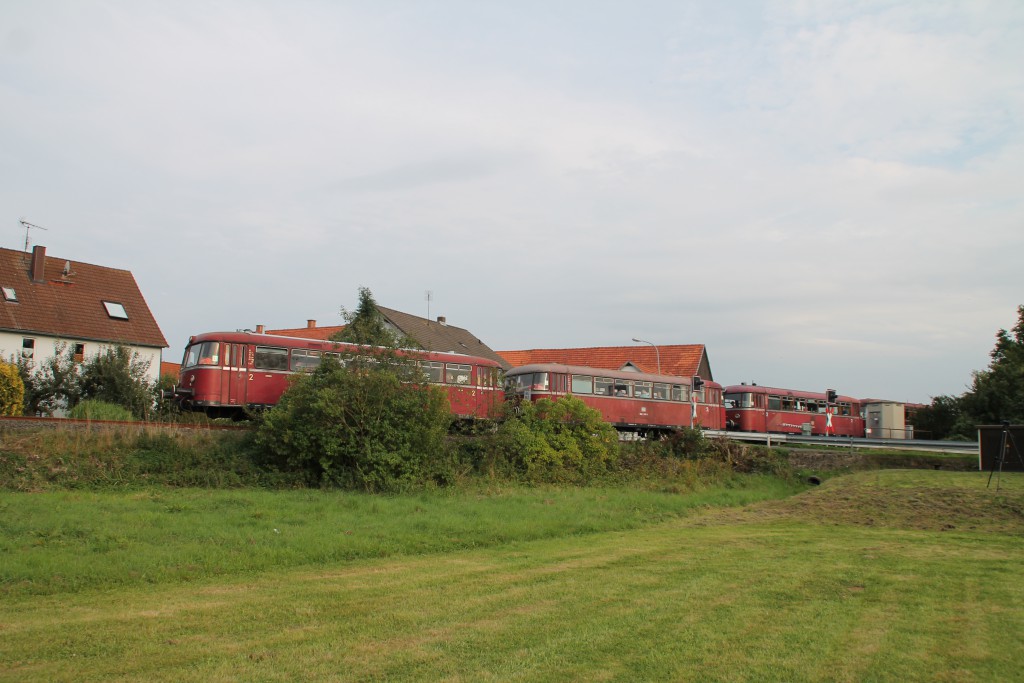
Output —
(740, 400)
(536, 381)
(206, 353)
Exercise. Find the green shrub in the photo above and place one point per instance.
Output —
(12, 390)
(93, 409)
(363, 426)
(557, 441)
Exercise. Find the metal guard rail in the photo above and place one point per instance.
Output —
(965, 447)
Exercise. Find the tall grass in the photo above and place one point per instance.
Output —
(97, 457)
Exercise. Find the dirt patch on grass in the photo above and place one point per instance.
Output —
(908, 500)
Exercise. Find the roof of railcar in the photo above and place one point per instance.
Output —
(243, 337)
(603, 372)
(775, 391)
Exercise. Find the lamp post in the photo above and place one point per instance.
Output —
(656, 352)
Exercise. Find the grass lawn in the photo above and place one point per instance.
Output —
(877, 576)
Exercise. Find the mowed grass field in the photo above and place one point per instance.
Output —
(876, 576)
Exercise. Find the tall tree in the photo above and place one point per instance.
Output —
(997, 394)
(366, 325)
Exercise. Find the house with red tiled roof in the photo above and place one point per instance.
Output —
(682, 360)
(429, 335)
(47, 301)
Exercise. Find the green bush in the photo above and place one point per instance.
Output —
(12, 390)
(363, 425)
(557, 441)
(93, 409)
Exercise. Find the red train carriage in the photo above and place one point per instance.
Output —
(750, 408)
(630, 401)
(223, 373)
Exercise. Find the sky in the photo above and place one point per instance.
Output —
(825, 194)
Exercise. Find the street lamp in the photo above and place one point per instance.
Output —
(656, 352)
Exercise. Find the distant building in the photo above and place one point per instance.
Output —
(681, 360)
(430, 335)
(47, 301)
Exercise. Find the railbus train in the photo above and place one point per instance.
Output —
(644, 403)
(224, 374)
(753, 408)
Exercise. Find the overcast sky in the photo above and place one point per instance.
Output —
(826, 194)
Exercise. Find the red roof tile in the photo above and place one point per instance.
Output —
(682, 360)
(321, 333)
(71, 305)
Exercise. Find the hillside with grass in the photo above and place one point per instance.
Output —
(889, 575)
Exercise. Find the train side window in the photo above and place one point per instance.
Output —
(641, 389)
(812, 406)
(788, 403)
(486, 377)
(680, 392)
(433, 370)
(236, 356)
(582, 384)
(456, 373)
(604, 386)
(774, 403)
(270, 358)
(661, 391)
(623, 387)
(304, 360)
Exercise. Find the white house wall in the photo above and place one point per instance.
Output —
(11, 346)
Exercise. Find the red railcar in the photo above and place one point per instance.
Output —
(631, 401)
(225, 373)
(751, 408)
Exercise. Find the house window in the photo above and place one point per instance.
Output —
(10, 294)
(115, 310)
(28, 348)
(79, 355)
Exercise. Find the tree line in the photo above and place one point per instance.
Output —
(996, 394)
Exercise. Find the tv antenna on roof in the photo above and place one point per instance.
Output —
(430, 296)
(29, 226)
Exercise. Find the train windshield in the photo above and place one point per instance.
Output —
(741, 400)
(206, 353)
(536, 381)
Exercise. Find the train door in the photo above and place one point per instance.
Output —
(233, 375)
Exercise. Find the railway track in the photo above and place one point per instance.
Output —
(22, 422)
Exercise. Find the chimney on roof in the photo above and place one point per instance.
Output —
(36, 273)
(441, 319)
(259, 329)
(310, 324)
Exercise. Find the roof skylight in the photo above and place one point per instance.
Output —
(115, 310)
(9, 294)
